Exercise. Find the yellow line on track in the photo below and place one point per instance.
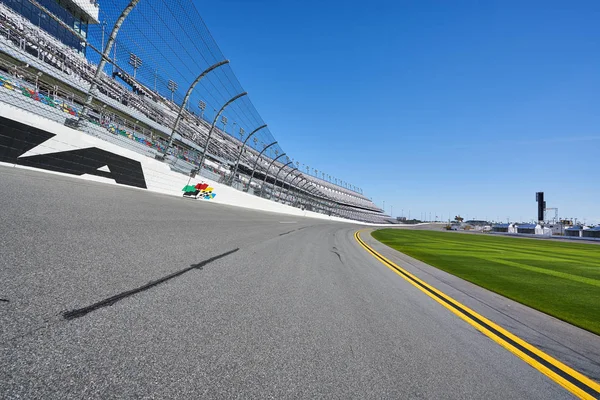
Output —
(576, 383)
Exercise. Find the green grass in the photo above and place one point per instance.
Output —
(559, 278)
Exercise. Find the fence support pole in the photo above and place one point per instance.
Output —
(267, 173)
(277, 175)
(290, 185)
(284, 178)
(102, 63)
(212, 127)
(185, 100)
(295, 197)
(306, 181)
(237, 162)
(256, 163)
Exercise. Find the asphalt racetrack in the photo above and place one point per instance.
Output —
(110, 292)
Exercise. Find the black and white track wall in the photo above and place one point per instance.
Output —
(29, 141)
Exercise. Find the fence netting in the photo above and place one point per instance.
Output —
(48, 62)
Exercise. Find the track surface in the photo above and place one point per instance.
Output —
(300, 310)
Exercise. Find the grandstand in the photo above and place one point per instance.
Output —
(50, 76)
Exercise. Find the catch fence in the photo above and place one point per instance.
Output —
(165, 90)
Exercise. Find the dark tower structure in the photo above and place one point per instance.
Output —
(539, 197)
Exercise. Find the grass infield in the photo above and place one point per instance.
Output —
(559, 278)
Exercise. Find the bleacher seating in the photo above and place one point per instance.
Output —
(154, 115)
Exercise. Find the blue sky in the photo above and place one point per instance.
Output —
(461, 107)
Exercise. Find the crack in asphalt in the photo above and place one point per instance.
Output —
(80, 312)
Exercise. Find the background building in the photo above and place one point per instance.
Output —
(77, 14)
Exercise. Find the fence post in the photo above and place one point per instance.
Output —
(102, 63)
(237, 162)
(267, 173)
(256, 163)
(212, 127)
(277, 175)
(185, 100)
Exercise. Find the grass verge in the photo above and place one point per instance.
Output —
(559, 278)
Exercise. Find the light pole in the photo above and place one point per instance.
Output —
(172, 86)
(103, 28)
(224, 122)
(237, 162)
(37, 77)
(202, 107)
(135, 62)
(256, 163)
(212, 127)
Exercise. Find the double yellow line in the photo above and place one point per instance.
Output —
(576, 383)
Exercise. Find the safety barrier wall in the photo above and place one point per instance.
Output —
(30, 141)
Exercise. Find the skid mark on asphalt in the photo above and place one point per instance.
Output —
(4, 300)
(80, 312)
(294, 230)
(335, 251)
